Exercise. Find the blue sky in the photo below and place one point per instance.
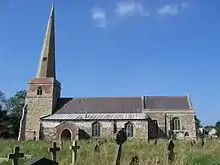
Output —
(118, 47)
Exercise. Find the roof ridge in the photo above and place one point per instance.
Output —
(176, 96)
(107, 97)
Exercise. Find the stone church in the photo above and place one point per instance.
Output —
(47, 116)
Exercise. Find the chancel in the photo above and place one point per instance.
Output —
(47, 116)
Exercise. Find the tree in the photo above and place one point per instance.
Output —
(217, 127)
(14, 106)
(198, 125)
(4, 133)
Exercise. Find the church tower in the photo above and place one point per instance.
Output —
(43, 90)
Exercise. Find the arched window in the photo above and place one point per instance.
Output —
(129, 129)
(175, 123)
(114, 126)
(96, 129)
(34, 133)
(39, 91)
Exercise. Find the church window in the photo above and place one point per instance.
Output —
(114, 126)
(175, 123)
(39, 91)
(96, 129)
(129, 129)
(34, 133)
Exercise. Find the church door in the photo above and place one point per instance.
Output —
(66, 135)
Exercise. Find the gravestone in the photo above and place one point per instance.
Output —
(96, 149)
(121, 137)
(16, 155)
(40, 161)
(202, 142)
(134, 161)
(170, 149)
(74, 149)
(54, 151)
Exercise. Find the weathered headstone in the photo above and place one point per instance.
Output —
(202, 142)
(54, 151)
(96, 149)
(170, 149)
(134, 161)
(74, 149)
(16, 155)
(121, 137)
(40, 161)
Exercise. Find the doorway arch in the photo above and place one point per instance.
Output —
(65, 135)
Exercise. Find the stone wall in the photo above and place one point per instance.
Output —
(187, 122)
(140, 128)
(39, 105)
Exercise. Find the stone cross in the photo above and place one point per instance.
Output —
(74, 148)
(54, 150)
(16, 155)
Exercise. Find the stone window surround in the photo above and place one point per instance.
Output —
(173, 123)
(39, 91)
(133, 127)
(100, 128)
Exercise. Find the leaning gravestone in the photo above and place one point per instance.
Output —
(41, 161)
(202, 142)
(121, 137)
(170, 149)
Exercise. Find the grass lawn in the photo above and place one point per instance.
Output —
(149, 154)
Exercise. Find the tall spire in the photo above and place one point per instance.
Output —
(46, 67)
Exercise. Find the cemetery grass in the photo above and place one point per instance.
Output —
(148, 154)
